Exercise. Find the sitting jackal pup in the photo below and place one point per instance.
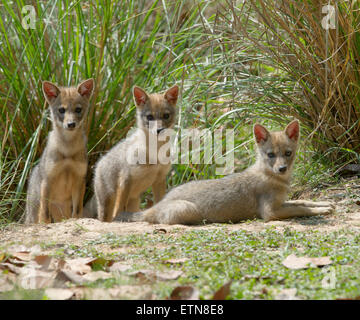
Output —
(57, 184)
(259, 191)
(118, 182)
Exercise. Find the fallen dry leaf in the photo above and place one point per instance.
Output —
(184, 293)
(223, 292)
(58, 293)
(10, 267)
(294, 262)
(16, 262)
(31, 278)
(24, 256)
(43, 260)
(78, 265)
(96, 275)
(151, 275)
(64, 276)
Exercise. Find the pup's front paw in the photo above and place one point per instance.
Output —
(324, 210)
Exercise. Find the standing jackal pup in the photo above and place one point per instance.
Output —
(118, 181)
(57, 184)
(259, 191)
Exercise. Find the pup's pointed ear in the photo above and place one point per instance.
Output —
(261, 133)
(86, 88)
(293, 130)
(172, 94)
(50, 90)
(140, 96)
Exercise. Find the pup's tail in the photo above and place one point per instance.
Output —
(165, 212)
(129, 217)
(90, 209)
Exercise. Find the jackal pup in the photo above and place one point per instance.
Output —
(57, 184)
(259, 191)
(119, 182)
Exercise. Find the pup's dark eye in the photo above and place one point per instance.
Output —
(166, 116)
(62, 110)
(288, 153)
(271, 155)
(150, 117)
(78, 110)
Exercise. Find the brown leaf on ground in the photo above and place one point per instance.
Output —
(78, 265)
(23, 256)
(294, 262)
(223, 292)
(151, 275)
(59, 293)
(64, 276)
(44, 261)
(31, 278)
(16, 262)
(69, 275)
(10, 267)
(96, 275)
(184, 293)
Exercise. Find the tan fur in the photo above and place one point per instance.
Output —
(119, 184)
(57, 184)
(259, 191)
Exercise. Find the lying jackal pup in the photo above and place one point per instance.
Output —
(118, 182)
(259, 191)
(57, 184)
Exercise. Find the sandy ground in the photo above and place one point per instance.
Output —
(347, 215)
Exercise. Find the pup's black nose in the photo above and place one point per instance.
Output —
(282, 169)
(159, 130)
(71, 125)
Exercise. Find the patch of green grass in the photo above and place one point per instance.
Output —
(253, 260)
(23, 294)
(212, 257)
